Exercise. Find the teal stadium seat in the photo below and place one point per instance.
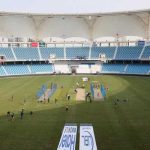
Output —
(128, 52)
(113, 68)
(108, 51)
(42, 68)
(26, 53)
(7, 53)
(46, 52)
(74, 52)
(137, 69)
(16, 69)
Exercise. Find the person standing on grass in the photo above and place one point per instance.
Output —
(75, 91)
(21, 115)
(68, 97)
(55, 100)
(86, 96)
(31, 113)
(12, 98)
(8, 113)
(12, 116)
(90, 98)
(67, 108)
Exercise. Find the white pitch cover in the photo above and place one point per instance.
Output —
(87, 137)
(68, 137)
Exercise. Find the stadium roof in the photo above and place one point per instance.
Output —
(73, 6)
(87, 19)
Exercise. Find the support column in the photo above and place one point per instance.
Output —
(64, 51)
(13, 52)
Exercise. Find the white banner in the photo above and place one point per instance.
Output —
(85, 79)
(87, 138)
(68, 137)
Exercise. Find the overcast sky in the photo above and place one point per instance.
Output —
(72, 6)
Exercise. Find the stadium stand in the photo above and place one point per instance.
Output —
(46, 52)
(137, 69)
(77, 52)
(128, 52)
(130, 68)
(25, 69)
(122, 53)
(49, 68)
(26, 53)
(146, 53)
(7, 53)
(16, 69)
(108, 51)
(41, 68)
(113, 68)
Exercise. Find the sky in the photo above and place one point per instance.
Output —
(72, 6)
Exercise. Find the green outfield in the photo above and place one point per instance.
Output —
(125, 126)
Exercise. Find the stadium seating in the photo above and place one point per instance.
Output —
(113, 68)
(130, 69)
(137, 69)
(122, 53)
(46, 52)
(7, 53)
(26, 53)
(16, 69)
(146, 53)
(26, 69)
(41, 68)
(128, 52)
(49, 68)
(108, 51)
(77, 52)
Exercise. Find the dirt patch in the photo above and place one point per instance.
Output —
(80, 96)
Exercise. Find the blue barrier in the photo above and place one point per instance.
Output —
(41, 91)
(103, 91)
(53, 89)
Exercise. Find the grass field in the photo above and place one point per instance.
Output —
(125, 126)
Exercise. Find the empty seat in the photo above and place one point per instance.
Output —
(138, 69)
(7, 53)
(26, 53)
(41, 68)
(108, 51)
(77, 52)
(16, 69)
(113, 68)
(128, 52)
(46, 52)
